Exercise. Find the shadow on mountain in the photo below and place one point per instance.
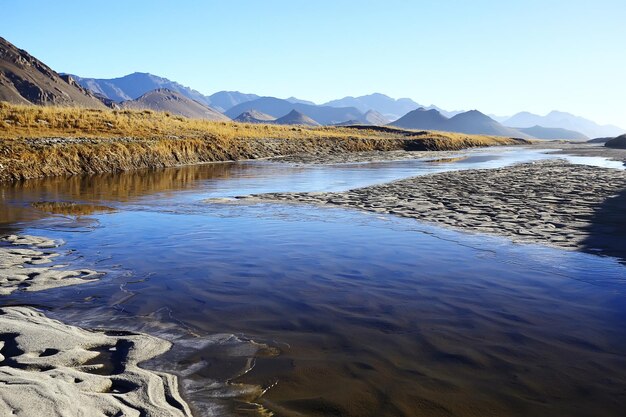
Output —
(607, 233)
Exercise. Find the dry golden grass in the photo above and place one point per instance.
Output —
(98, 141)
(19, 121)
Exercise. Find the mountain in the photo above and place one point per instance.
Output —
(297, 100)
(225, 100)
(618, 142)
(446, 113)
(499, 119)
(372, 117)
(422, 119)
(276, 107)
(600, 140)
(472, 122)
(26, 80)
(173, 102)
(132, 86)
(540, 132)
(475, 122)
(391, 108)
(253, 116)
(294, 117)
(564, 121)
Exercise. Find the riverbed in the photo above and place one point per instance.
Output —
(314, 311)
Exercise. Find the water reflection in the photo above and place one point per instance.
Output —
(373, 316)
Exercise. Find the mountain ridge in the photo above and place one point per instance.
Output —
(165, 100)
(26, 80)
(470, 122)
(563, 120)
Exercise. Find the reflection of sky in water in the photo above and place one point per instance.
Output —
(360, 287)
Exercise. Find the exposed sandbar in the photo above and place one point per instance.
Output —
(551, 202)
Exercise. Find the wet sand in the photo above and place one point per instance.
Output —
(584, 149)
(325, 158)
(552, 202)
(27, 265)
(49, 368)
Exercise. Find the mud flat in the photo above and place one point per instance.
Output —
(551, 202)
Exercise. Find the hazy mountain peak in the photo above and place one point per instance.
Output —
(133, 86)
(563, 120)
(253, 116)
(294, 117)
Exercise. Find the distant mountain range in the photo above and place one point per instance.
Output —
(294, 117)
(472, 122)
(173, 102)
(391, 108)
(132, 86)
(563, 120)
(254, 116)
(24, 79)
(277, 107)
(541, 132)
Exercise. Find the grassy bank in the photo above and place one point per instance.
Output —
(48, 141)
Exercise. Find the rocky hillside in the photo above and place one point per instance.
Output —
(172, 102)
(26, 80)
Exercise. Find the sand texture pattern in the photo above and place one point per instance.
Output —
(51, 369)
(552, 202)
(26, 264)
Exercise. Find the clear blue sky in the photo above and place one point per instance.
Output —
(496, 56)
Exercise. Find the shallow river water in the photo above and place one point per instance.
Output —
(362, 314)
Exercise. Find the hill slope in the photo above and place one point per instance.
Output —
(225, 100)
(166, 100)
(540, 132)
(26, 80)
(391, 108)
(276, 107)
(422, 119)
(294, 117)
(476, 122)
(473, 122)
(564, 121)
(372, 117)
(132, 86)
(618, 142)
(253, 116)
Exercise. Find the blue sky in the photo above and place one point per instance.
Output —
(496, 56)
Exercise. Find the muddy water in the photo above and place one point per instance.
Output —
(370, 315)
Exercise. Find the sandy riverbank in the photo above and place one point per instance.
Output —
(52, 369)
(584, 149)
(48, 368)
(27, 264)
(551, 202)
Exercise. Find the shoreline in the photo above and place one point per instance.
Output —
(22, 159)
(553, 202)
(58, 367)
